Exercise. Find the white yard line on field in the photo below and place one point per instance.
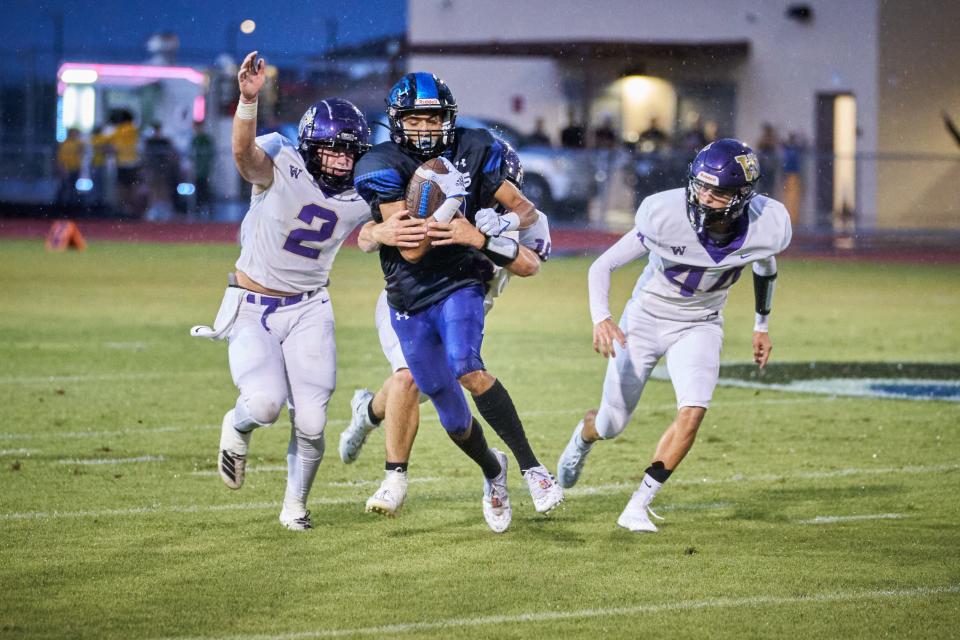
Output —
(608, 489)
(432, 418)
(637, 610)
(283, 469)
(155, 509)
(617, 487)
(18, 452)
(834, 519)
(104, 377)
(112, 460)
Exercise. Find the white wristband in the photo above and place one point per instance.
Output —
(247, 110)
(762, 323)
(446, 211)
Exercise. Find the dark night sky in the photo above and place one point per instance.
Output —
(284, 29)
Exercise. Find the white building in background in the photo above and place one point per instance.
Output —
(872, 77)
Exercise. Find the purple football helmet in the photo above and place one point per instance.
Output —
(729, 168)
(337, 125)
(511, 162)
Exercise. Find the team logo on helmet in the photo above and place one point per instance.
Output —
(750, 165)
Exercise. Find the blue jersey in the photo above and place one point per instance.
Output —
(382, 175)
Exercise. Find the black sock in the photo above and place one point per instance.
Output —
(658, 472)
(370, 414)
(397, 466)
(476, 447)
(497, 409)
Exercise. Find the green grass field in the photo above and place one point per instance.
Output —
(114, 524)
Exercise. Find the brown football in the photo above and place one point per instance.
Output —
(423, 196)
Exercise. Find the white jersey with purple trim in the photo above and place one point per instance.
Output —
(688, 276)
(536, 238)
(293, 229)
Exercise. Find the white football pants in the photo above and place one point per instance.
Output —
(287, 355)
(692, 351)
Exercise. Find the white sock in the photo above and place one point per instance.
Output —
(303, 459)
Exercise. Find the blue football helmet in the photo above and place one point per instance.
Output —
(728, 167)
(337, 125)
(422, 92)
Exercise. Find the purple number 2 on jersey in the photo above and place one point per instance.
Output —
(297, 237)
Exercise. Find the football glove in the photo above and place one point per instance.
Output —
(491, 224)
(454, 183)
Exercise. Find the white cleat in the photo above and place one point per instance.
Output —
(232, 461)
(353, 437)
(572, 459)
(636, 515)
(388, 500)
(496, 501)
(294, 516)
(544, 490)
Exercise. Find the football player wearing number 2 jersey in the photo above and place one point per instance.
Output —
(276, 314)
(699, 240)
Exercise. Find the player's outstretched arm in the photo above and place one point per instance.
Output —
(512, 200)
(252, 163)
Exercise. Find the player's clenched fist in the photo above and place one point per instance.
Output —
(251, 76)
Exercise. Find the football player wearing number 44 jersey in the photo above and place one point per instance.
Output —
(276, 314)
(698, 240)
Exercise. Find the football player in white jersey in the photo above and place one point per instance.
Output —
(396, 402)
(698, 240)
(276, 314)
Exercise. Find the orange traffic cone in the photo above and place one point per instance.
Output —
(63, 235)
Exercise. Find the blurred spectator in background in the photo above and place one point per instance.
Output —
(693, 137)
(538, 137)
(124, 141)
(99, 146)
(605, 136)
(201, 155)
(653, 138)
(161, 167)
(69, 162)
(573, 136)
(793, 150)
(766, 148)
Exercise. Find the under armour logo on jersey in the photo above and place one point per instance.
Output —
(678, 251)
(403, 315)
(295, 172)
(462, 163)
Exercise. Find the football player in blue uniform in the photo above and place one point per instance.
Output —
(436, 294)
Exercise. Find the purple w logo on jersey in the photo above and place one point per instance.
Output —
(678, 251)
(295, 172)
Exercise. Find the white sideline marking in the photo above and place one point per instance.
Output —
(136, 511)
(551, 616)
(833, 519)
(113, 460)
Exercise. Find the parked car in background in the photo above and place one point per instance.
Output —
(559, 181)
